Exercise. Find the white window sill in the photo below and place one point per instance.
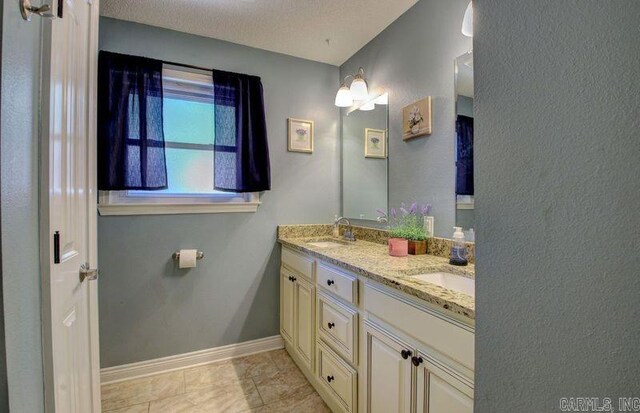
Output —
(115, 203)
(465, 205)
(168, 209)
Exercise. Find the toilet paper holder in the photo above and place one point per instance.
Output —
(176, 255)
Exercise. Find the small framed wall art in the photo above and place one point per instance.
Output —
(416, 119)
(375, 143)
(300, 135)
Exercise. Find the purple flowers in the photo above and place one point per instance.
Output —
(407, 222)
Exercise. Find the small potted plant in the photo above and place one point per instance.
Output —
(407, 234)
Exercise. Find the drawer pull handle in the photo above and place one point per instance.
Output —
(330, 379)
(329, 282)
(406, 354)
(417, 361)
(331, 325)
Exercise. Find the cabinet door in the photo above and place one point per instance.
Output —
(304, 304)
(440, 390)
(388, 373)
(286, 305)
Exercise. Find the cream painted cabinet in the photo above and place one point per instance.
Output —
(441, 391)
(388, 372)
(369, 348)
(286, 305)
(304, 323)
(297, 322)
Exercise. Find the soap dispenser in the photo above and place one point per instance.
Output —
(458, 248)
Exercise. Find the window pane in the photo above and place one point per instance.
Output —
(189, 171)
(188, 121)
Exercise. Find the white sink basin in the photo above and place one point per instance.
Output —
(325, 244)
(451, 282)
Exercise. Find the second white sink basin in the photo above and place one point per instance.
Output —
(451, 282)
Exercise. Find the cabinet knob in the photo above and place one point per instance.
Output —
(329, 282)
(293, 279)
(330, 379)
(331, 325)
(406, 354)
(417, 361)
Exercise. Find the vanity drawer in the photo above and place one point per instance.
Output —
(298, 262)
(338, 326)
(449, 337)
(338, 377)
(339, 283)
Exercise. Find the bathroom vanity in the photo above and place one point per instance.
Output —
(375, 333)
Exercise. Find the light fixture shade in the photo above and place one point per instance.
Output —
(467, 21)
(359, 89)
(370, 105)
(344, 99)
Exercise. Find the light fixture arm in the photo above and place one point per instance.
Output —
(358, 74)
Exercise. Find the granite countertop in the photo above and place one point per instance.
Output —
(372, 260)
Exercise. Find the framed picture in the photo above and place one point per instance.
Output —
(300, 135)
(416, 119)
(375, 143)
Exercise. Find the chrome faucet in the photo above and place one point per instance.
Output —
(348, 233)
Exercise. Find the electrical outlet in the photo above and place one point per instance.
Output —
(428, 226)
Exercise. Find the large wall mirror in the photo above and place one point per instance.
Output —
(365, 152)
(463, 141)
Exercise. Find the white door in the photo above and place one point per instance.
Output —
(440, 390)
(286, 305)
(388, 372)
(305, 298)
(68, 216)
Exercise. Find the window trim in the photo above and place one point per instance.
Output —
(119, 203)
(123, 203)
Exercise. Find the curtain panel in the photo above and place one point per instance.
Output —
(131, 153)
(241, 150)
(464, 158)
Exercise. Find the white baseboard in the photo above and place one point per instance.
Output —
(181, 361)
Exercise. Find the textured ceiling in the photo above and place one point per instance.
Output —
(294, 27)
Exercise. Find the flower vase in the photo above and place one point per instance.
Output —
(418, 247)
(398, 247)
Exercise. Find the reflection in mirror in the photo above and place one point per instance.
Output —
(464, 142)
(364, 159)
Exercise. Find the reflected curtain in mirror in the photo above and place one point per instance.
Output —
(131, 152)
(464, 155)
(241, 150)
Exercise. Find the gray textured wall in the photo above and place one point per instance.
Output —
(19, 169)
(4, 389)
(149, 309)
(557, 105)
(411, 59)
(364, 180)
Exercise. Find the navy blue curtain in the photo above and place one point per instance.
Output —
(241, 151)
(130, 131)
(464, 158)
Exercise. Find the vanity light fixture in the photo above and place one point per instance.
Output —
(467, 21)
(370, 105)
(344, 99)
(357, 91)
(383, 99)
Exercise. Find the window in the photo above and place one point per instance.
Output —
(189, 135)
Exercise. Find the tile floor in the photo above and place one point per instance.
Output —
(265, 383)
